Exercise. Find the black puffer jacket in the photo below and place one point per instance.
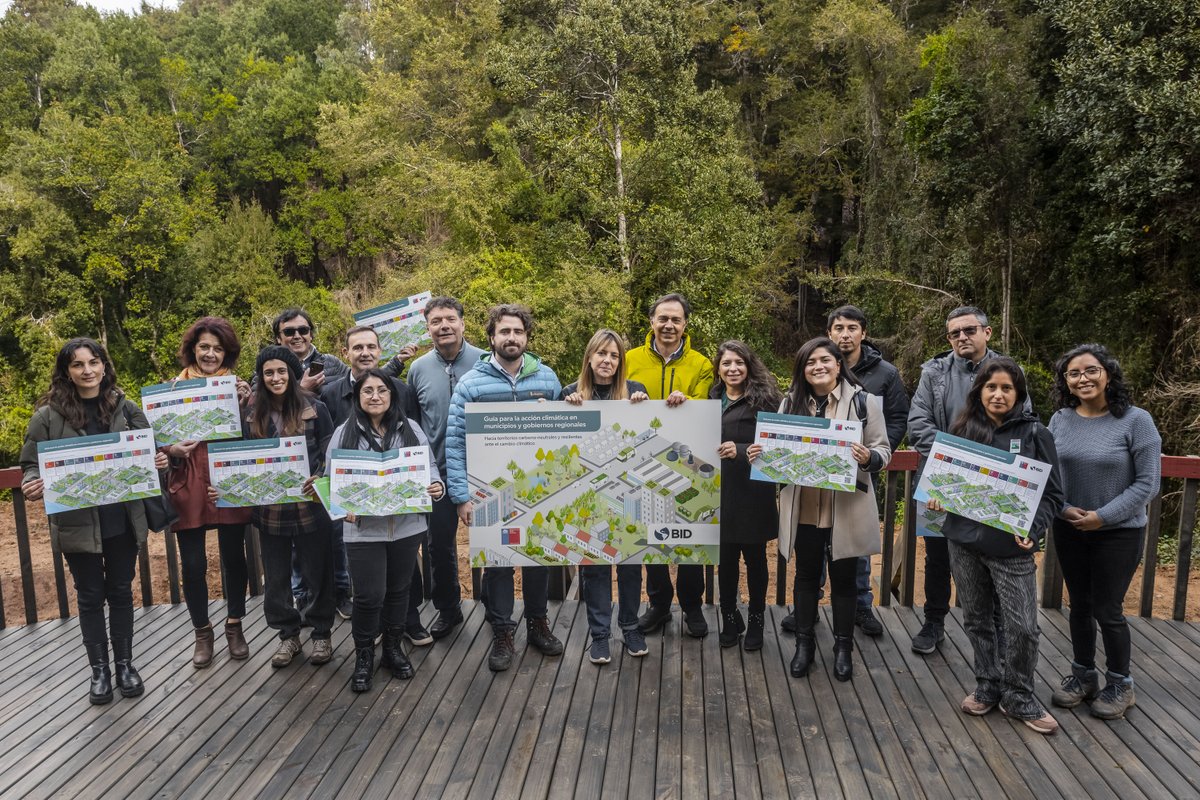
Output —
(1036, 442)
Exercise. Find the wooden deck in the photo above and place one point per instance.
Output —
(690, 720)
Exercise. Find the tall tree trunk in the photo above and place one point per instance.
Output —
(1005, 324)
(619, 164)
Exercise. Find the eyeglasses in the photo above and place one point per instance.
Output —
(968, 332)
(1091, 373)
(302, 330)
(373, 392)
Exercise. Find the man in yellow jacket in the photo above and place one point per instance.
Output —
(671, 370)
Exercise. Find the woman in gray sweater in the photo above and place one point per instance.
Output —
(1110, 454)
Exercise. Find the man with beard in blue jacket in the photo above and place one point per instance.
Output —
(506, 374)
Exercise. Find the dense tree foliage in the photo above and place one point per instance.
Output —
(769, 159)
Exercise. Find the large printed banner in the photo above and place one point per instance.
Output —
(380, 484)
(601, 483)
(1001, 490)
(201, 409)
(398, 324)
(806, 451)
(259, 472)
(97, 470)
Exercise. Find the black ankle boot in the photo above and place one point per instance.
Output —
(843, 661)
(731, 627)
(754, 631)
(391, 654)
(364, 665)
(128, 680)
(101, 690)
(806, 648)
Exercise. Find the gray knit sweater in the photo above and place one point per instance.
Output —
(1109, 465)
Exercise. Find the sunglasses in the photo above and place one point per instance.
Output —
(302, 330)
(968, 332)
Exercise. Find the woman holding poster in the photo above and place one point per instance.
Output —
(282, 408)
(602, 377)
(990, 564)
(100, 544)
(818, 523)
(1110, 453)
(209, 348)
(381, 552)
(745, 387)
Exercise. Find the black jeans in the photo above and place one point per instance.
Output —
(498, 595)
(661, 592)
(313, 556)
(937, 579)
(382, 574)
(728, 575)
(443, 554)
(810, 552)
(231, 540)
(105, 577)
(1098, 566)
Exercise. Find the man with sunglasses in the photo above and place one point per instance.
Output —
(941, 394)
(432, 378)
(294, 329)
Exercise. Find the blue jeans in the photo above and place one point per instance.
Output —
(497, 595)
(1004, 664)
(596, 590)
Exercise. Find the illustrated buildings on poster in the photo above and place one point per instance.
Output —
(601, 500)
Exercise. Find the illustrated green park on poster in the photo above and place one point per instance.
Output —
(87, 471)
(602, 483)
(398, 324)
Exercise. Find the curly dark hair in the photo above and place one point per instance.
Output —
(218, 327)
(762, 390)
(1116, 393)
(63, 397)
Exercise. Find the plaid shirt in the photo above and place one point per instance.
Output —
(294, 519)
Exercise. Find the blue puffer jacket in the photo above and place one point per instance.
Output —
(488, 383)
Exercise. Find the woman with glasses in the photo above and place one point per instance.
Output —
(602, 377)
(210, 348)
(1110, 452)
(100, 544)
(994, 567)
(749, 518)
(381, 551)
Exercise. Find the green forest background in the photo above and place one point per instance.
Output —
(768, 159)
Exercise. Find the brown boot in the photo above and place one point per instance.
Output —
(203, 654)
(238, 649)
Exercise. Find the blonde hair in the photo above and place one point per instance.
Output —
(586, 385)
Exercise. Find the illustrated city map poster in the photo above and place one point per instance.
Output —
(380, 484)
(201, 409)
(601, 483)
(1001, 490)
(259, 472)
(88, 471)
(398, 324)
(806, 451)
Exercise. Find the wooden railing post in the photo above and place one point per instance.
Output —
(909, 575)
(24, 557)
(781, 571)
(1183, 559)
(887, 544)
(60, 584)
(254, 561)
(1052, 577)
(144, 569)
(172, 565)
(1150, 556)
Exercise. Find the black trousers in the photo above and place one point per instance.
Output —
(105, 577)
(755, 556)
(937, 579)
(313, 551)
(443, 554)
(661, 592)
(1097, 567)
(382, 574)
(231, 540)
(810, 552)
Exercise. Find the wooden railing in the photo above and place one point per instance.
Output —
(897, 560)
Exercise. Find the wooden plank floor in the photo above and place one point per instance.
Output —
(690, 720)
